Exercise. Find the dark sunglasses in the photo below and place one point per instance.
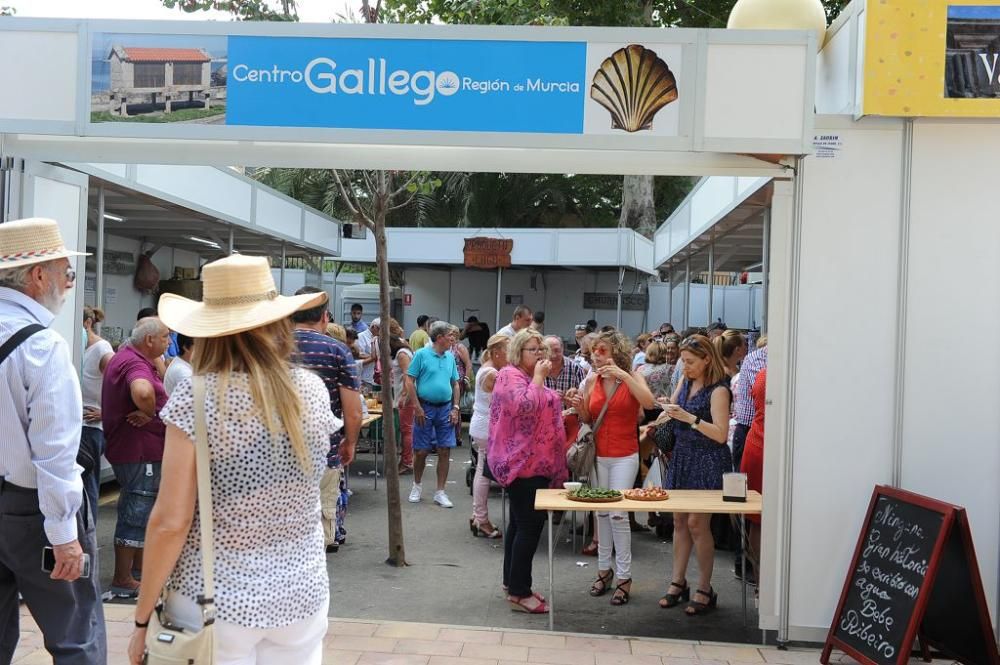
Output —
(690, 343)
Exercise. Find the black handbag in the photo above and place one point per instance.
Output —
(665, 437)
(487, 472)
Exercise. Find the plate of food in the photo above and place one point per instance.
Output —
(594, 495)
(647, 494)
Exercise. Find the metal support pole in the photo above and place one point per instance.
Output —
(687, 291)
(766, 267)
(281, 278)
(711, 280)
(618, 308)
(499, 286)
(670, 296)
(99, 278)
(232, 244)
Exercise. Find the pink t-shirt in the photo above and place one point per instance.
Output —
(526, 430)
(127, 444)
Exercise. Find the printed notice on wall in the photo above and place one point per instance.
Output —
(827, 146)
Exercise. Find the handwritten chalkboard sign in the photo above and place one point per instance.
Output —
(914, 553)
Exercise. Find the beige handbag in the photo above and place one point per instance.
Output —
(168, 644)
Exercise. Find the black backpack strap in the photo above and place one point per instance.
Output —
(15, 340)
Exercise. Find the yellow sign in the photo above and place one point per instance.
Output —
(932, 58)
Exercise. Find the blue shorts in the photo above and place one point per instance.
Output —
(139, 485)
(437, 430)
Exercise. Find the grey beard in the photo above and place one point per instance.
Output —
(53, 300)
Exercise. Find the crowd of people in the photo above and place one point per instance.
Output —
(285, 388)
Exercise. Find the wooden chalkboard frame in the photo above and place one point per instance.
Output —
(954, 525)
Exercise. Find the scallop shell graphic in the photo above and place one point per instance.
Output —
(633, 84)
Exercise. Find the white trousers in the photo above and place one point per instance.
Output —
(613, 531)
(300, 643)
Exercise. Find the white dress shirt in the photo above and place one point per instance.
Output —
(369, 347)
(41, 413)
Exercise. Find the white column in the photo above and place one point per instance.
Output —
(99, 279)
(499, 287)
(711, 280)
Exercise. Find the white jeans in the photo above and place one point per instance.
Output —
(617, 473)
(300, 643)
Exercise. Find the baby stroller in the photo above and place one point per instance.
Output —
(470, 473)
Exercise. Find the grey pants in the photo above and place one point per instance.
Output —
(69, 614)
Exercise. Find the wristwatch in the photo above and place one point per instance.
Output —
(141, 625)
(697, 421)
(455, 406)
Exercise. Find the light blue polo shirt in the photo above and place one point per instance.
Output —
(433, 374)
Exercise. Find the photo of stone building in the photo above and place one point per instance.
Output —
(159, 76)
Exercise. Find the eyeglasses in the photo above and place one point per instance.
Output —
(690, 343)
(70, 275)
(536, 349)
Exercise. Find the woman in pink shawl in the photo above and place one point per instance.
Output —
(525, 453)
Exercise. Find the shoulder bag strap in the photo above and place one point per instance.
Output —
(15, 340)
(207, 599)
(607, 403)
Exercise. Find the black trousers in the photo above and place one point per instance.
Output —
(69, 614)
(524, 530)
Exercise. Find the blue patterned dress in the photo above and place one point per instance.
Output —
(697, 462)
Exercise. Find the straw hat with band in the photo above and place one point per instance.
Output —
(33, 240)
(238, 295)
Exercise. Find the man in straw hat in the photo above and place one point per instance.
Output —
(41, 416)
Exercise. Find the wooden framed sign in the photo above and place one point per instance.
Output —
(914, 576)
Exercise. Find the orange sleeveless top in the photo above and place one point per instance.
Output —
(619, 432)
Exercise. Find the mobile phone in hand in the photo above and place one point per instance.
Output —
(49, 562)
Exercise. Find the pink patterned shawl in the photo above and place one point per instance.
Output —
(526, 430)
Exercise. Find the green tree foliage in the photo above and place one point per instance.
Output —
(242, 10)
(658, 13)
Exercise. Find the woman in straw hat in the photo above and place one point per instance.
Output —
(268, 428)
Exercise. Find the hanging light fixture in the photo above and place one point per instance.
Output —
(780, 15)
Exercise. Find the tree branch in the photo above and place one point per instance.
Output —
(405, 203)
(352, 203)
(405, 185)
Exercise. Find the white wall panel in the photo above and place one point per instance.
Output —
(278, 214)
(62, 201)
(714, 196)
(473, 290)
(202, 185)
(322, 232)
(834, 76)
(38, 74)
(845, 364)
(754, 93)
(952, 423)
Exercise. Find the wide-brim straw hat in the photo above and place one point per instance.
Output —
(33, 240)
(238, 294)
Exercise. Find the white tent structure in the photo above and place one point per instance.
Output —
(880, 249)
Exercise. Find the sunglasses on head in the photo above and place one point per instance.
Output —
(690, 343)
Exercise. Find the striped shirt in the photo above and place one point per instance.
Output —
(743, 408)
(333, 362)
(41, 413)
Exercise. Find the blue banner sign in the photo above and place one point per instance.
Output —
(407, 84)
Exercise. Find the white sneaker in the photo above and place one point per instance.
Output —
(441, 499)
(415, 492)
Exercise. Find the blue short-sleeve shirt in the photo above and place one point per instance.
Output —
(434, 374)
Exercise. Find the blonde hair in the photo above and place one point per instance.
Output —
(729, 342)
(700, 346)
(656, 353)
(264, 354)
(336, 331)
(762, 342)
(95, 314)
(621, 348)
(518, 342)
(395, 329)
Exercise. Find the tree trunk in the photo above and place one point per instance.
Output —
(638, 208)
(397, 553)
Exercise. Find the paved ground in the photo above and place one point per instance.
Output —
(454, 578)
(355, 642)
